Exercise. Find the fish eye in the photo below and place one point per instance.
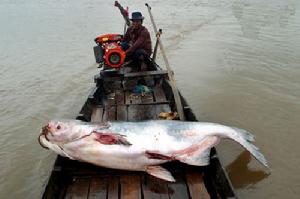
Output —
(58, 127)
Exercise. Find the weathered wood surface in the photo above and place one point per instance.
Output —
(113, 187)
(97, 114)
(179, 188)
(155, 188)
(98, 188)
(121, 113)
(196, 185)
(120, 97)
(95, 182)
(130, 187)
(137, 185)
(147, 98)
(78, 189)
(159, 94)
(163, 73)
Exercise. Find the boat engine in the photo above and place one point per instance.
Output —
(108, 52)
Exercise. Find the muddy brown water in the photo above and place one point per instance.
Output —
(236, 62)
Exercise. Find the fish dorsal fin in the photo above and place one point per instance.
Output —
(160, 172)
(110, 138)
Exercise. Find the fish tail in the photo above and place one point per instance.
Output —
(245, 138)
(245, 134)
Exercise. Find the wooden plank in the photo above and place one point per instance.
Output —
(112, 113)
(146, 73)
(112, 83)
(78, 189)
(133, 113)
(113, 188)
(147, 98)
(120, 98)
(127, 97)
(159, 94)
(109, 113)
(97, 114)
(147, 112)
(98, 188)
(150, 82)
(130, 187)
(116, 85)
(179, 188)
(196, 186)
(129, 84)
(155, 188)
(152, 103)
(141, 112)
(136, 98)
(111, 99)
(162, 108)
(132, 98)
(122, 113)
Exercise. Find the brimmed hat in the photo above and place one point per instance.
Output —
(136, 16)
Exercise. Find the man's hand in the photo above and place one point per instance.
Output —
(127, 52)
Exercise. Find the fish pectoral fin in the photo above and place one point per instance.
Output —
(197, 154)
(102, 125)
(110, 138)
(67, 155)
(160, 173)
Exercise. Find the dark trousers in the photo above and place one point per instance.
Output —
(136, 55)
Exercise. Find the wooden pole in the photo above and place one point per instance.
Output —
(156, 44)
(170, 72)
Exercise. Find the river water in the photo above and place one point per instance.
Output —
(236, 62)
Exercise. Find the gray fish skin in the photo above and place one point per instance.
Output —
(140, 146)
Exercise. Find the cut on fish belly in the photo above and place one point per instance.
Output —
(141, 146)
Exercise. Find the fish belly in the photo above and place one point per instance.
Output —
(112, 156)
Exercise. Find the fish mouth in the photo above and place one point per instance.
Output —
(43, 134)
(46, 130)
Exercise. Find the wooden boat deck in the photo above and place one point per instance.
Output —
(137, 186)
(123, 105)
(127, 106)
(112, 99)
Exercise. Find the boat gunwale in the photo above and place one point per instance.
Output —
(216, 179)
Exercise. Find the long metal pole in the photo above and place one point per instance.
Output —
(123, 12)
(170, 72)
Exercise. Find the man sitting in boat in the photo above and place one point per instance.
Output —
(137, 42)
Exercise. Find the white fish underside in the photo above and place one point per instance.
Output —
(150, 143)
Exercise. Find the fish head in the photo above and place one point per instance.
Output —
(61, 132)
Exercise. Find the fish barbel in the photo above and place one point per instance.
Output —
(141, 146)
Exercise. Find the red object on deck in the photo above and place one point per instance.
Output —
(113, 53)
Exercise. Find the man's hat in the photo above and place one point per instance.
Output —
(136, 16)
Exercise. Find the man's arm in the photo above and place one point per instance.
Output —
(127, 35)
(139, 43)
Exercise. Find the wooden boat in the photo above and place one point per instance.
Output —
(112, 99)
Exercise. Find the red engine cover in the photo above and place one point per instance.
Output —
(114, 54)
(108, 38)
